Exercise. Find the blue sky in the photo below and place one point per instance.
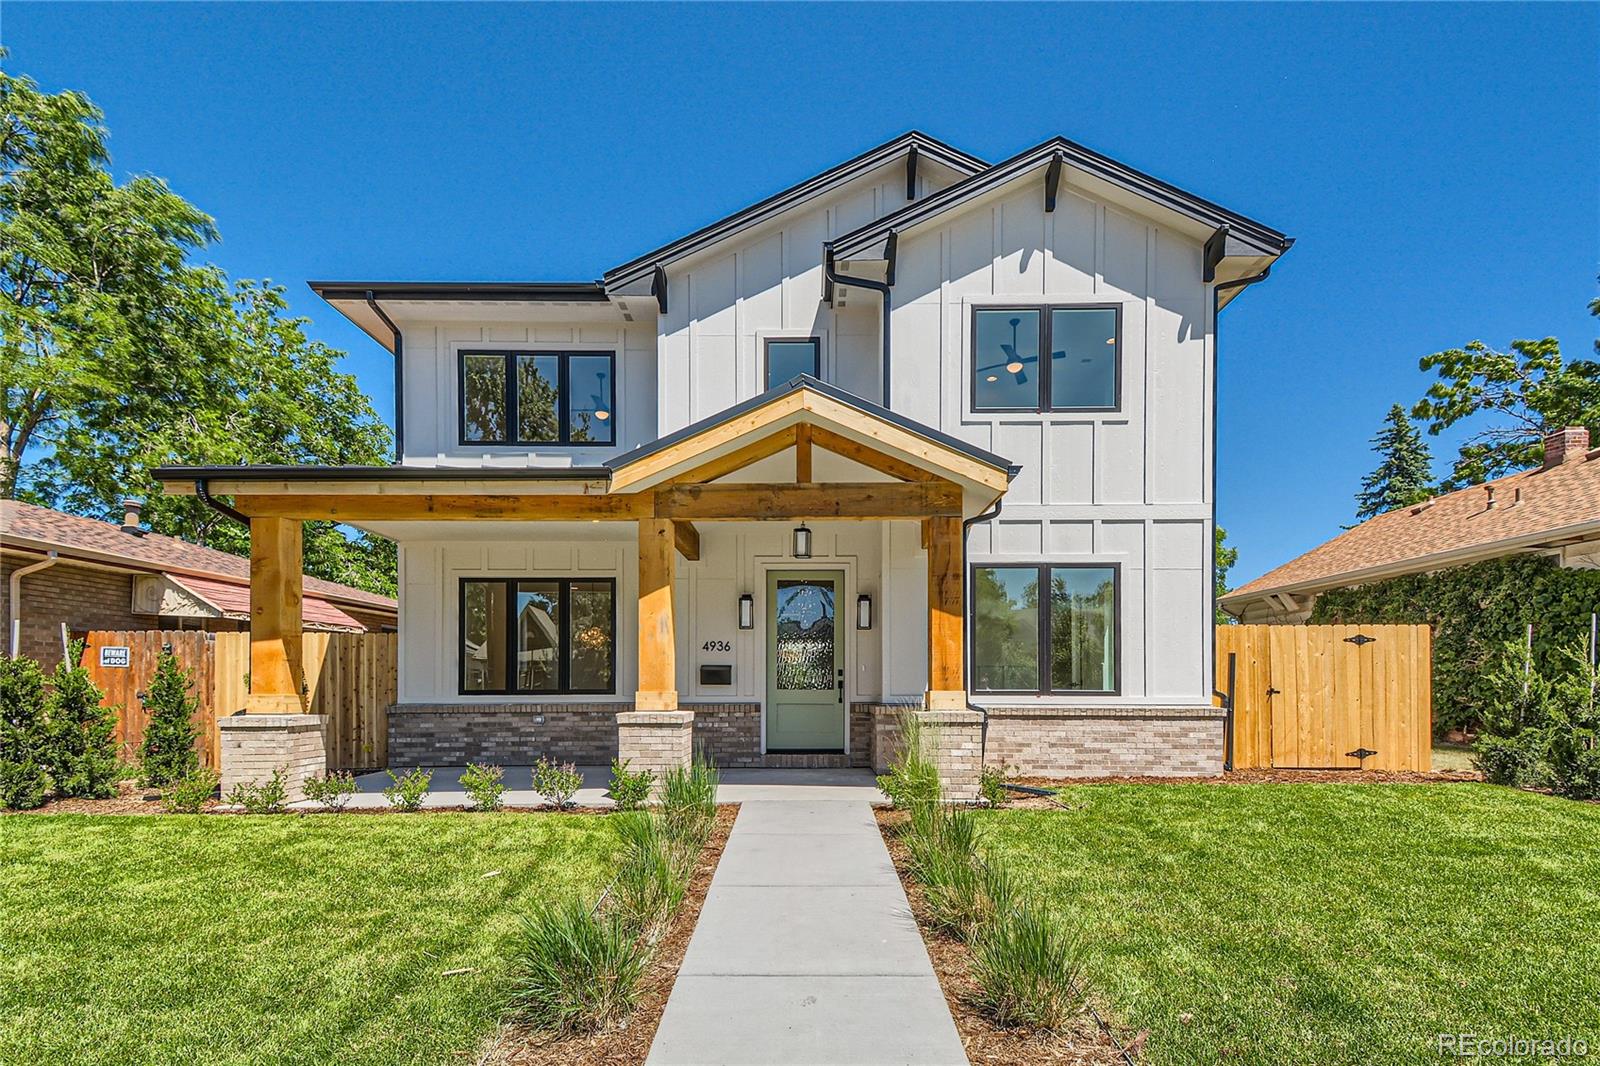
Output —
(1439, 164)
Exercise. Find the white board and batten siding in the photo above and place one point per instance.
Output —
(1132, 486)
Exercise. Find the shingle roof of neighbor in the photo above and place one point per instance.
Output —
(154, 551)
(1526, 505)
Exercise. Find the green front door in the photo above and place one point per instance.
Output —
(805, 670)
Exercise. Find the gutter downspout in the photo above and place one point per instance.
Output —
(202, 490)
(1216, 374)
(399, 375)
(16, 596)
(879, 287)
(966, 595)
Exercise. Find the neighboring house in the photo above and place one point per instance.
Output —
(755, 477)
(1554, 511)
(68, 570)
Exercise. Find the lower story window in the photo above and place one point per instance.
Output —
(1040, 629)
(533, 636)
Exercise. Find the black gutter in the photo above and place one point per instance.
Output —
(587, 291)
(381, 473)
(202, 490)
(399, 351)
(967, 585)
(879, 287)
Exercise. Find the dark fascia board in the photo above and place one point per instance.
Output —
(460, 290)
(806, 381)
(1269, 241)
(926, 146)
(271, 472)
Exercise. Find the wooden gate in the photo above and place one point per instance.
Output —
(1330, 697)
(350, 678)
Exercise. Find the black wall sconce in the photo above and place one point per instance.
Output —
(863, 611)
(747, 611)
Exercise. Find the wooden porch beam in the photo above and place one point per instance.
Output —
(737, 459)
(658, 657)
(687, 539)
(277, 673)
(789, 502)
(415, 508)
(870, 457)
(946, 609)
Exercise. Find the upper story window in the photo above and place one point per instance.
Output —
(1081, 374)
(1040, 628)
(538, 397)
(789, 357)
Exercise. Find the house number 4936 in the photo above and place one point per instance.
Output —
(717, 645)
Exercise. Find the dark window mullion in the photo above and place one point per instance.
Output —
(513, 416)
(564, 637)
(563, 399)
(1047, 393)
(1045, 645)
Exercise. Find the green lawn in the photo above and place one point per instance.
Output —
(1289, 923)
(270, 940)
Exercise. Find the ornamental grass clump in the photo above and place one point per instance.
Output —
(652, 878)
(689, 803)
(1027, 970)
(913, 779)
(574, 970)
(962, 890)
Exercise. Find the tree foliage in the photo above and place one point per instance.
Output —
(1404, 475)
(1474, 611)
(83, 748)
(119, 353)
(1512, 399)
(167, 754)
(24, 735)
(1223, 558)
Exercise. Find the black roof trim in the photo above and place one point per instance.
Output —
(926, 146)
(806, 381)
(381, 473)
(1268, 239)
(460, 290)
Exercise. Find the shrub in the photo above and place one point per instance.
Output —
(268, 797)
(167, 754)
(485, 785)
(409, 789)
(630, 790)
(83, 747)
(1542, 729)
(574, 971)
(689, 803)
(24, 737)
(912, 779)
(992, 786)
(1027, 970)
(332, 790)
(556, 782)
(652, 877)
(189, 795)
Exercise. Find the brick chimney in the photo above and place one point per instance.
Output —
(1565, 445)
(131, 512)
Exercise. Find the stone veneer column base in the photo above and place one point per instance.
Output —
(254, 745)
(655, 740)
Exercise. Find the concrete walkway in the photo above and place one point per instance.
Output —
(806, 951)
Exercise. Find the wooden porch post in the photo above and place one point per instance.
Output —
(277, 676)
(658, 658)
(947, 689)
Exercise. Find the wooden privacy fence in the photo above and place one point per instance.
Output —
(350, 678)
(1329, 697)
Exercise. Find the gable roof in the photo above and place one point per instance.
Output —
(36, 528)
(642, 266)
(1260, 238)
(1531, 509)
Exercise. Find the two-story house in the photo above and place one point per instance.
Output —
(919, 431)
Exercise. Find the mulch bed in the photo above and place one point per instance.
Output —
(1082, 1043)
(131, 798)
(1252, 777)
(627, 1043)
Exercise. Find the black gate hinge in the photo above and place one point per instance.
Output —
(1360, 639)
(1360, 753)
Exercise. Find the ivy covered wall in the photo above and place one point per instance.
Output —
(1474, 611)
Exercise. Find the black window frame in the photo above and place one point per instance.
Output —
(766, 358)
(1046, 362)
(564, 637)
(563, 397)
(1042, 570)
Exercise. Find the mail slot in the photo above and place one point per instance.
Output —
(716, 674)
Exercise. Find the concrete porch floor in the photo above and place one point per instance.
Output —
(737, 786)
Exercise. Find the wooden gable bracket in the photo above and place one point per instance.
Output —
(1216, 248)
(1052, 181)
(658, 287)
(911, 174)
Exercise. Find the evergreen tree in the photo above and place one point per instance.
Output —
(167, 754)
(83, 757)
(24, 739)
(1404, 477)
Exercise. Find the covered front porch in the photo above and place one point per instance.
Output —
(757, 585)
